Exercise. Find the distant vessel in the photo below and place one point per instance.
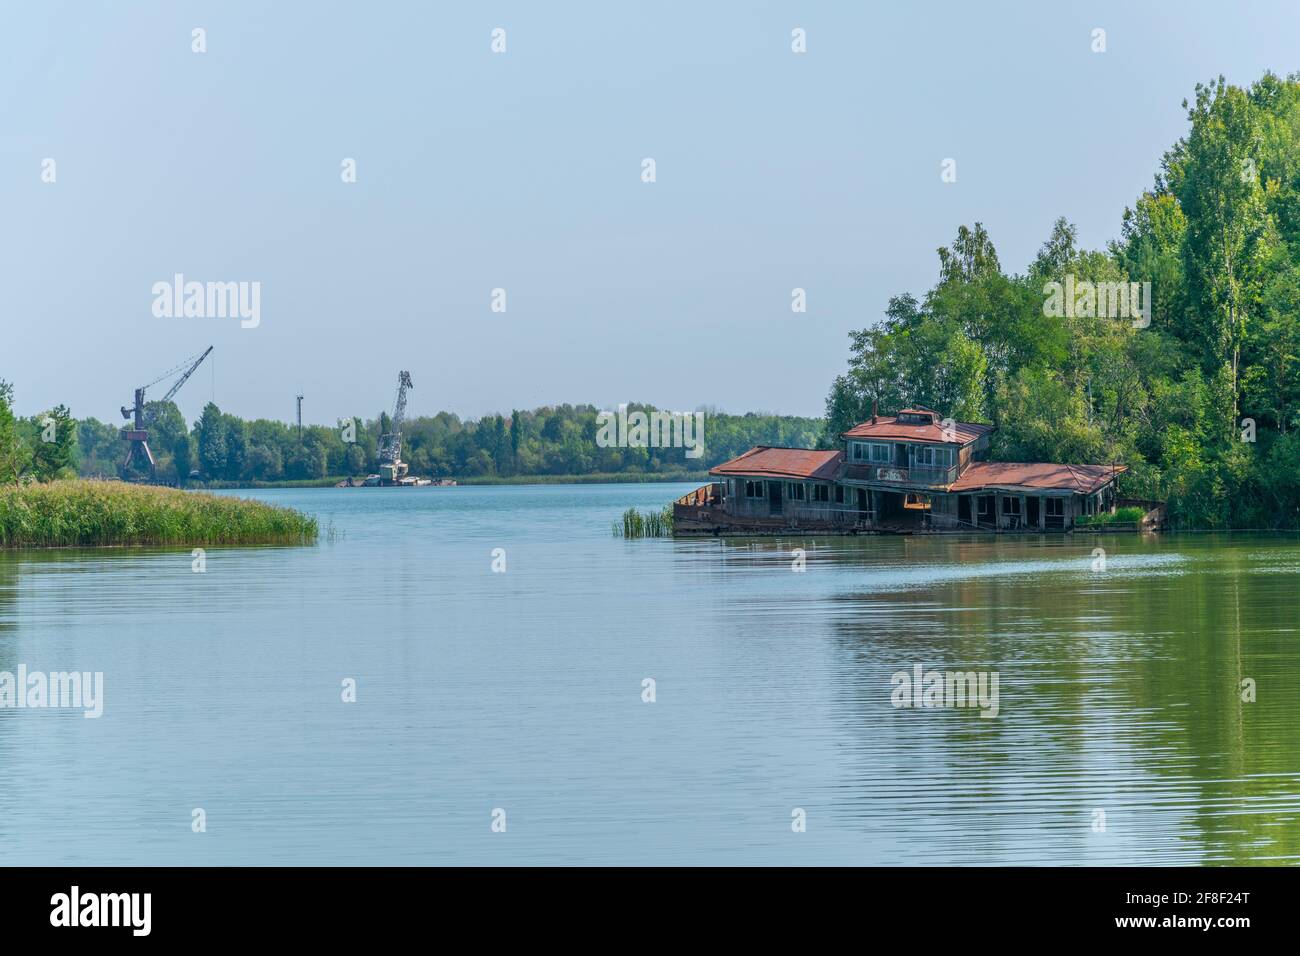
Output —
(406, 481)
(402, 481)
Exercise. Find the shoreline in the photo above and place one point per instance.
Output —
(617, 478)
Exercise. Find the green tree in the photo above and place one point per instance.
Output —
(263, 463)
(182, 458)
(54, 452)
(210, 436)
(515, 428)
(13, 454)
(1229, 231)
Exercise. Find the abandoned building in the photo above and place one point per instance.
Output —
(908, 472)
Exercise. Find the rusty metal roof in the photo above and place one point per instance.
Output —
(888, 427)
(765, 461)
(1037, 476)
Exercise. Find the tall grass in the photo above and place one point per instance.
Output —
(1127, 515)
(649, 524)
(98, 513)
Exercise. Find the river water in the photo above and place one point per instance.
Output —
(517, 696)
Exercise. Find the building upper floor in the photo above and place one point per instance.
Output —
(916, 446)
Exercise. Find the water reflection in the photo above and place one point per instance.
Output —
(1119, 691)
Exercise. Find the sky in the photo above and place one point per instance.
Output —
(523, 170)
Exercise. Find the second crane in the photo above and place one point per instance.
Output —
(392, 470)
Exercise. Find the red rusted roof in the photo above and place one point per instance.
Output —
(887, 426)
(763, 461)
(1079, 479)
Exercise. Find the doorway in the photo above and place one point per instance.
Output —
(774, 497)
(902, 509)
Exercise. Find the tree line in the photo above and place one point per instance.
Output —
(1202, 403)
(220, 447)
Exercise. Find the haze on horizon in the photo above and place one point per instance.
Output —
(522, 171)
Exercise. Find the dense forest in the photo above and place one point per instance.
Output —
(1202, 402)
(552, 441)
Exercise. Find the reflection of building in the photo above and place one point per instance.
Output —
(909, 471)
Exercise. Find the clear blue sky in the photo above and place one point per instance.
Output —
(522, 171)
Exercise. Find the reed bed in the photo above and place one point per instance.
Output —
(108, 513)
(1126, 515)
(648, 524)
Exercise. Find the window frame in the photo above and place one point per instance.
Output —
(940, 456)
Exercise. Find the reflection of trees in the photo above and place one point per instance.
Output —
(1119, 690)
(8, 608)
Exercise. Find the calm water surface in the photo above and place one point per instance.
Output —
(1120, 690)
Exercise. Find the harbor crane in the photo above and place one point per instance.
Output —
(137, 434)
(391, 467)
